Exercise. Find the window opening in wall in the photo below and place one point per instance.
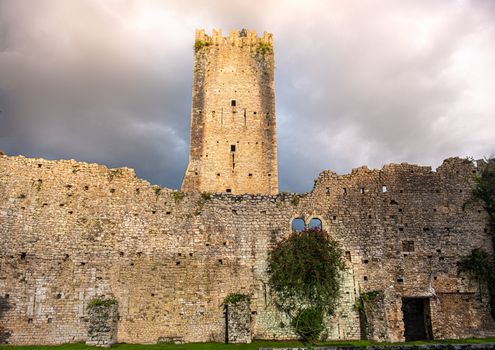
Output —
(384, 188)
(298, 225)
(348, 255)
(408, 246)
(228, 190)
(233, 103)
(232, 148)
(315, 223)
(344, 191)
(250, 175)
(362, 190)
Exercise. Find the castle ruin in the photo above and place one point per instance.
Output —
(70, 231)
(233, 145)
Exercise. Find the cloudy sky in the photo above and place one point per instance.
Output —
(357, 82)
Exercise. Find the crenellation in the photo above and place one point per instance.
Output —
(127, 243)
(71, 231)
(236, 38)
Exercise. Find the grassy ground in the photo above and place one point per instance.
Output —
(253, 346)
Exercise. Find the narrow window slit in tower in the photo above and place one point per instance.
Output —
(233, 103)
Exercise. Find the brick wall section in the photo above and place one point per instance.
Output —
(233, 147)
(70, 231)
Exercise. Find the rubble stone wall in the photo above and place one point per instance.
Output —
(70, 231)
(238, 322)
(102, 325)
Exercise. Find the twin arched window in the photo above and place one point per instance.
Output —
(298, 224)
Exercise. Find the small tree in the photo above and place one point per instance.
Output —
(305, 271)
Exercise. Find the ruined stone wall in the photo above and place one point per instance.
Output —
(233, 142)
(70, 231)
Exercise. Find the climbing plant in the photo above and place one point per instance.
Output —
(485, 191)
(264, 48)
(305, 271)
(482, 267)
(100, 301)
(199, 44)
(479, 263)
(234, 298)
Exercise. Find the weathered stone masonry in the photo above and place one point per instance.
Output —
(233, 144)
(70, 231)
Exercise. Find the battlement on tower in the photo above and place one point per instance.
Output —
(233, 145)
(240, 38)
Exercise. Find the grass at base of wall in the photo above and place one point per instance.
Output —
(253, 346)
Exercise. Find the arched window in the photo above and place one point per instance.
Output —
(315, 223)
(298, 225)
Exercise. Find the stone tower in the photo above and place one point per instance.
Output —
(233, 143)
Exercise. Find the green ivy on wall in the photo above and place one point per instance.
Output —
(305, 276)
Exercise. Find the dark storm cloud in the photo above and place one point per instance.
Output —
(357, 83)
